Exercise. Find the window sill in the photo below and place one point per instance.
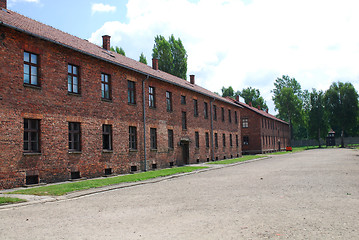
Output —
(106, 100)
(133, 150)
(32, 153)
(153, 150)
(74, 94)
(154, 108)
(38, 87)
(169, 111)
(74, 152)
(107, 151)
(131, 104)
(170, 149)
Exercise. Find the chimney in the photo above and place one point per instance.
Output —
(250, 104)
(106, 43)
(237, 98)
(155, 63)
(3, 4)
(259, 107)
(267, 110)
(191, 79)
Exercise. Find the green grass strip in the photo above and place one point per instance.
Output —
(63, 188)
(6, 200)
(241, 159)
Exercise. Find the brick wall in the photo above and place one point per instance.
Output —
(55, 108)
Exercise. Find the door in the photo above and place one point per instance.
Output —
(185, 153)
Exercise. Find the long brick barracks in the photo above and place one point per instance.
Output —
(70, 109)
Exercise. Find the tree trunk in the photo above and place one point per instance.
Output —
(342, 139)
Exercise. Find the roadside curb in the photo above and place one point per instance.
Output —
(33, 199)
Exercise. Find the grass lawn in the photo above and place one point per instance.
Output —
(63, 188)
(5, 200)
(241, 159)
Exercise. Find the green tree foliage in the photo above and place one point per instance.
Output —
(317, 117)
(171, 55)
(228, 92)
(118, 50)
(341, 101)
(253, 95)
(287, 97)
(143, 59)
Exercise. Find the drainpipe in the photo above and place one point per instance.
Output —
(211, 109)
(144, 122)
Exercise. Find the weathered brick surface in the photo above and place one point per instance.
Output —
(54, 107)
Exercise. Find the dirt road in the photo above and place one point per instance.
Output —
(308, 195)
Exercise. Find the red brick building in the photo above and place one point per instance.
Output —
(261, 131)
(71, 109)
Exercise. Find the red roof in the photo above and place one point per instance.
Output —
(260, 112)
(29, 26)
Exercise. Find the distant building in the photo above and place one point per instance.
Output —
(262, 132)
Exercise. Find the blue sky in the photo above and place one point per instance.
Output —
(238, 43)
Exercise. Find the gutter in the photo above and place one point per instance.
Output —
(106, 60)
(144, 124)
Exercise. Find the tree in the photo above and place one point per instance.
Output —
(143, 59)
(287, 100)
(317, 117)
(228, 92)
(252, 95)
(341, 101)
(119, 50)
(171, 55)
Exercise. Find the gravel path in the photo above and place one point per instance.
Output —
(308, 195)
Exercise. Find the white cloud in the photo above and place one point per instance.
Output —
(100, 7)
(249, 43)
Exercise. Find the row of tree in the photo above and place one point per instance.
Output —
(171, 55)
(310, 114)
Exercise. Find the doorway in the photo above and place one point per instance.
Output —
(185, 152)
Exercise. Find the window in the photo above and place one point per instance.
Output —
(131, 92)
(214, 112)
(184, 120)
(31, 135)
(183, 99)
(245, 140)
(216, 140)
(169, 101)
(235, 117)
(237, 143)
(73, 79)
(196, 134)
(74, 136)
(245, 122)
(224, 140)
(229, 116)
(205, 108)
(105, 86)
(195, 107)
(207, 140)
(106, 137)
(132, 133)
(31, 66)
(170, 139)
(222, 114)
(153, 138)
(151, 97)
(230, 140)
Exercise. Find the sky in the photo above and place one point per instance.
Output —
(238, 43)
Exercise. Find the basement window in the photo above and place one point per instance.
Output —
(171, 164)
(32, 179)
(133, 168)
(75, 175)
(154, 166)
(108, 171)
(207, 159)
